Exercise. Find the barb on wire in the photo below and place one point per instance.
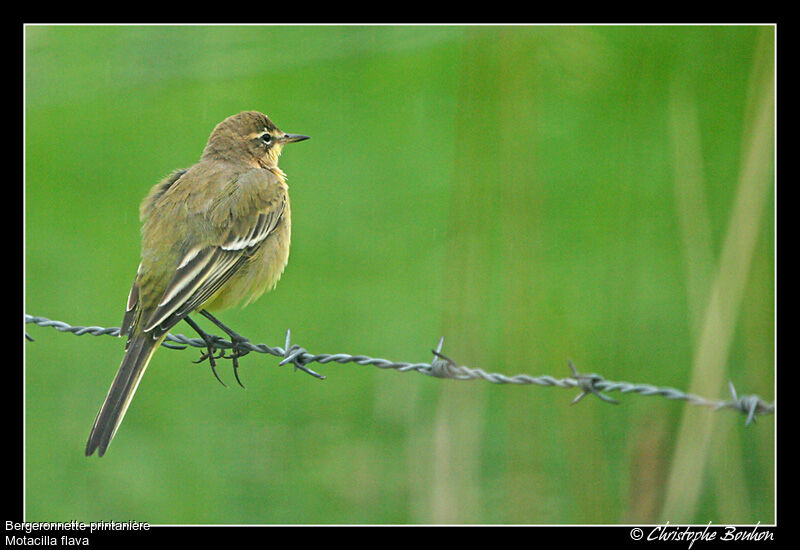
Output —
(444, 367)
(588, 384)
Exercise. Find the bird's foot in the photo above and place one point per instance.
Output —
(237, 350)
(238, 344)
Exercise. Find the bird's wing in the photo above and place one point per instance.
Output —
(132, 307)
(203, 270)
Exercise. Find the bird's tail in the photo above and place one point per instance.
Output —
(137, 356)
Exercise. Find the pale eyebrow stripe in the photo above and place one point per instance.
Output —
(254, 135)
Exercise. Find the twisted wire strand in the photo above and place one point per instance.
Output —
(443, 367)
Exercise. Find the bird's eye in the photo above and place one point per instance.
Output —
(266, 138)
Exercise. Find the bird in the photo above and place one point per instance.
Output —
(214, 235)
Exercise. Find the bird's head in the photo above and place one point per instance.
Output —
(250, 137)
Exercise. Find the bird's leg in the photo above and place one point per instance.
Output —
(209, 339)
(236, 339)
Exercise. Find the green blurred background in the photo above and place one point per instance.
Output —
(533, 194)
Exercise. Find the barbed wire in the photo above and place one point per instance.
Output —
(441, 367)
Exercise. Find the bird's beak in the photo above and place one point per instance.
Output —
(291, 138)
